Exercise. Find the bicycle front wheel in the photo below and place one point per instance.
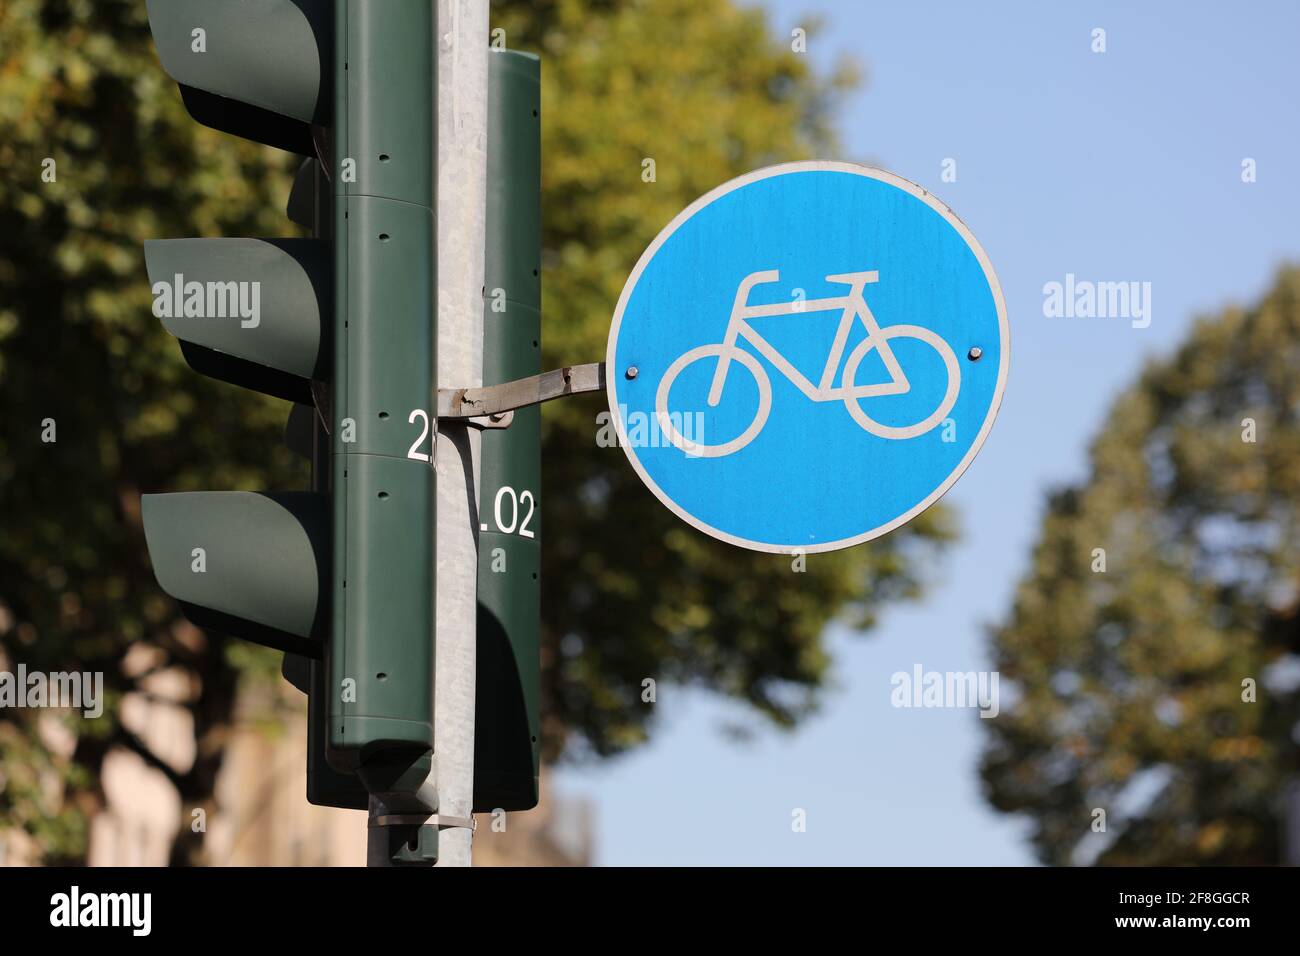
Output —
(899, 432)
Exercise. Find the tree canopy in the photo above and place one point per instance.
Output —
(1152, 648)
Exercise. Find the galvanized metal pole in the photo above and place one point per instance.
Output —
(462, 203)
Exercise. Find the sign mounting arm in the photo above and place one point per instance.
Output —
(493, 406)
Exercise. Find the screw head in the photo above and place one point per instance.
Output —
(632, 371)
(975, 353)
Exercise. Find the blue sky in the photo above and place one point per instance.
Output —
(1115, 166)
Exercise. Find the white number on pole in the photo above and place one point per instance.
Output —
(516, 500)
(414, 452)
(527, 498)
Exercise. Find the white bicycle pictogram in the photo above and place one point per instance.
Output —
(854, 306)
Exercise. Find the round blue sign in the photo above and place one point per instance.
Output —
(807, 357)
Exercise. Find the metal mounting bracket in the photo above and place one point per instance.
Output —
(493, 406)
(502, 420)
(440, 821)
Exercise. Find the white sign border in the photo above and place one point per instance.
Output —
(780, 169)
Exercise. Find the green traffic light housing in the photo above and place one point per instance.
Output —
(339, 577)
(261, 71)
(342, 324)
(269, 330)
(254, 564)
(507, 720)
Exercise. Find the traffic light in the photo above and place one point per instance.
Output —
(506, 722)
(341, 576)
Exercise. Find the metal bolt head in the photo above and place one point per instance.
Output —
(975, 353)
(632, 371)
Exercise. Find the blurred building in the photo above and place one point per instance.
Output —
(261, 816)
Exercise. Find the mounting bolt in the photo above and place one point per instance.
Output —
(975, 353)
(632, 371)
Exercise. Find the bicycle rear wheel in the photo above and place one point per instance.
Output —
(700, 449)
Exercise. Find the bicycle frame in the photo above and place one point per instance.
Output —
(853, 304)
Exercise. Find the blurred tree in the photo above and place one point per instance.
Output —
(698, 85)
(1129, 684)
(81, 86)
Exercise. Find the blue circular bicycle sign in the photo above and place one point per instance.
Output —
(807, 357)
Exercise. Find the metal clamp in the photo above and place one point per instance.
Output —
(441, 821)
(493, 406)
(486, 422)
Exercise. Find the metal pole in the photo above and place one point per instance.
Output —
(462, 203)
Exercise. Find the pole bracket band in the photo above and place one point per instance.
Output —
(441, 821)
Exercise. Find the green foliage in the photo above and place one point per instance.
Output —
(1137, 672)
(698, 85)
(81, 85)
